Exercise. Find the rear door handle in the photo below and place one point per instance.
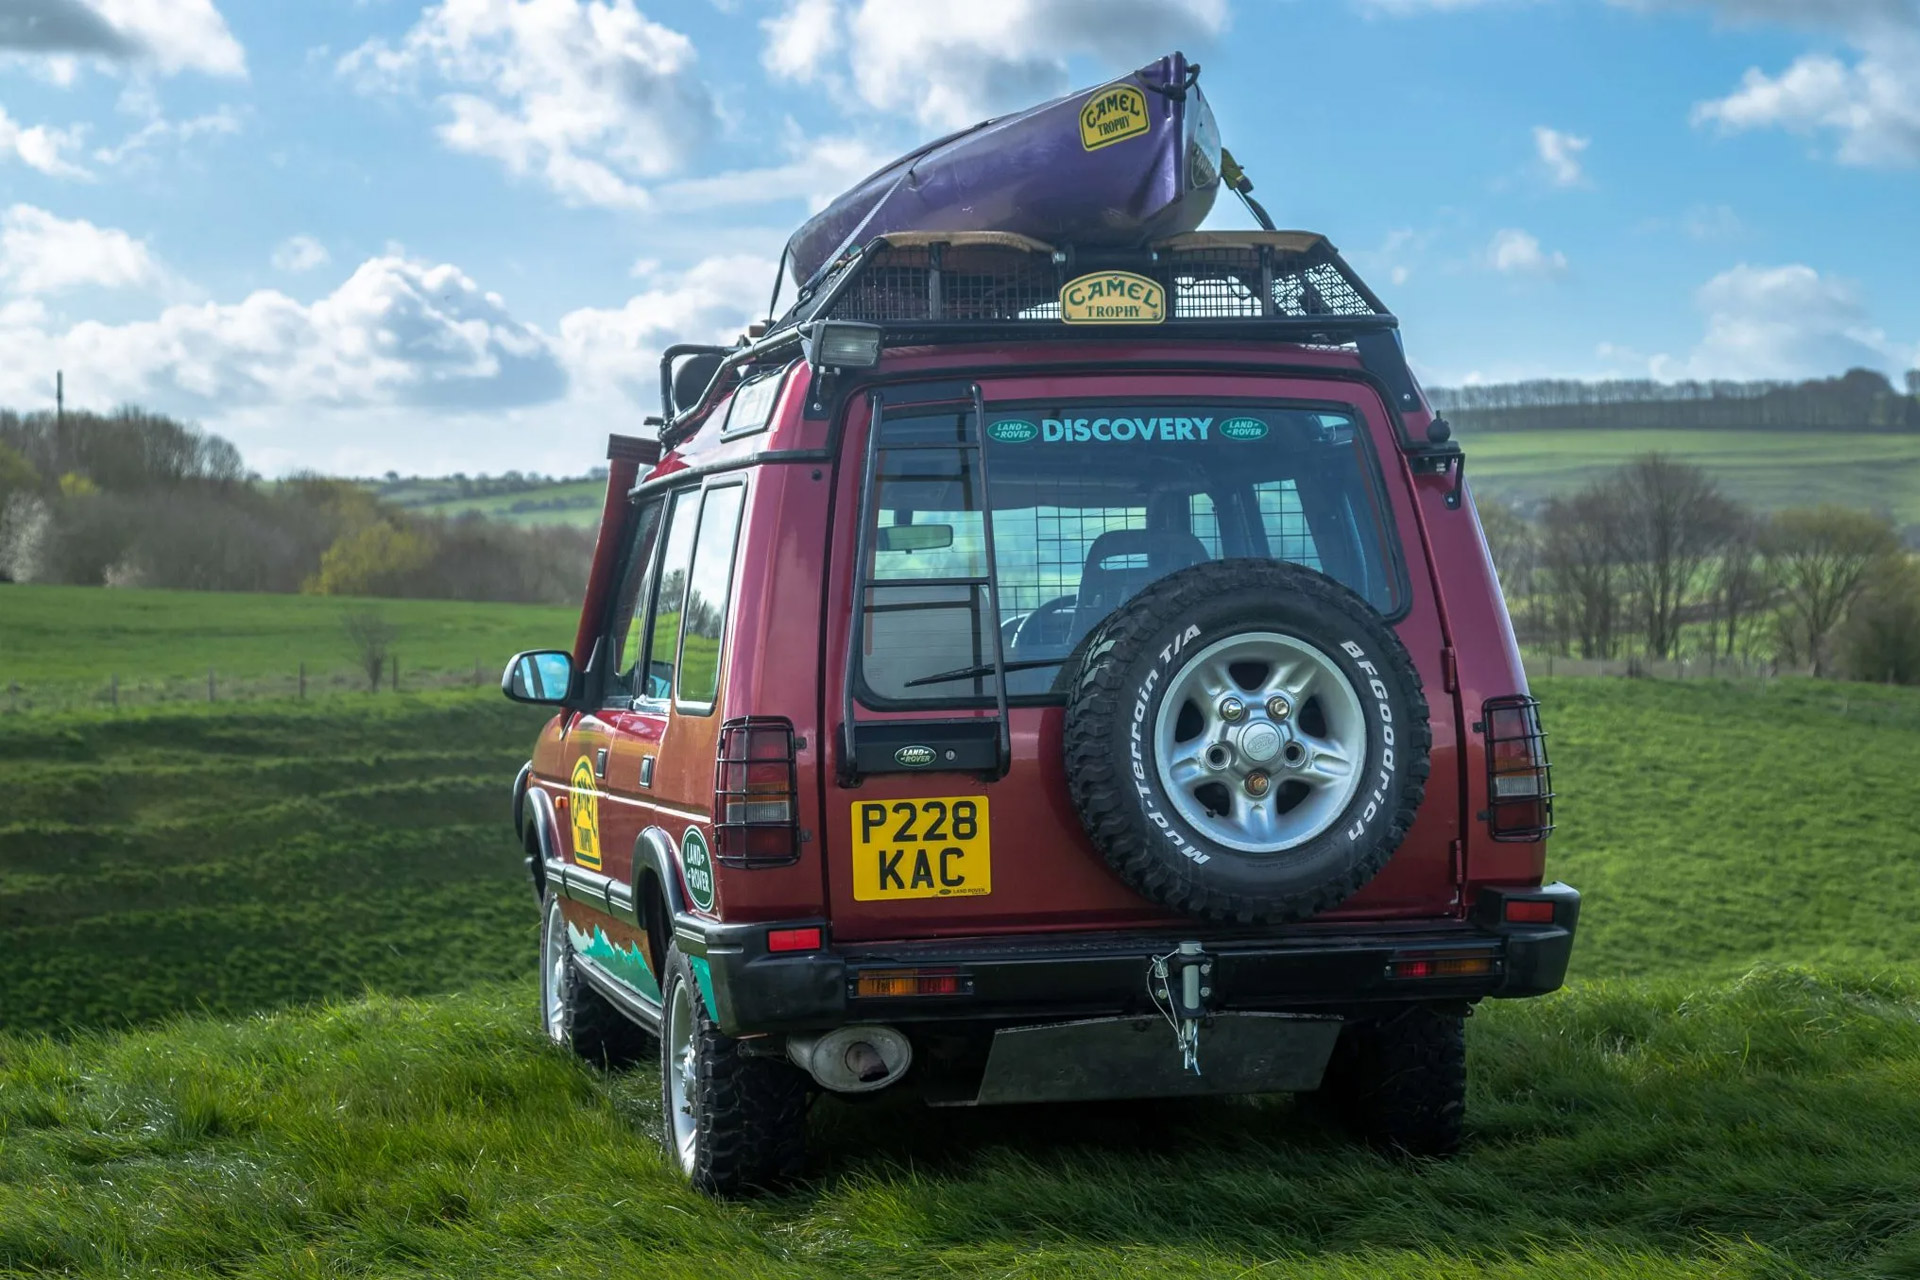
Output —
(646, 771)
(600, 764)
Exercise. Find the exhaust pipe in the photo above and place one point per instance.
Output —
(856, 1059)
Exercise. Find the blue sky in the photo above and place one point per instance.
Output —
(369, 234)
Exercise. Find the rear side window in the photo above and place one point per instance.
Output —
(708, 589)
(664, 634)
(1091, 503)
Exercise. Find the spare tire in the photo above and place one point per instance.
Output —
(1247, 741)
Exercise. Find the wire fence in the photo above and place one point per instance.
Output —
(1708, 668)
(132, 690)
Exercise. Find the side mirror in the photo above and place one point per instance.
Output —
(543, 677)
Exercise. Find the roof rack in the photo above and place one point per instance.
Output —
(931, 287)
(925, 286)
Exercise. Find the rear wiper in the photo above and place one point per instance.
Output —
(986, 669)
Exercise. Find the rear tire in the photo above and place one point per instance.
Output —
(575, 1016)
(734, 1124)
(1400, 1082)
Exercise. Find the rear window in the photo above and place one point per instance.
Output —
(1090, 503)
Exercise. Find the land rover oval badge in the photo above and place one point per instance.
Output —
(914, 757)
(1244, 429)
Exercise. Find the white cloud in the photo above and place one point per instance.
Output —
(159, 132)
(42, 147)
(398, 332)
(1518, 253)
(1783, 322)
(300, 253)
(588, 96)
(817, 169)
(42, 254)
(619, 348)
(172, 35)
(1708, 223)
(952, 62)
(800, 39)
(1871, 107)
(1560, 153)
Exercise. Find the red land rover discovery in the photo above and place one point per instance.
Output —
(1023, 675)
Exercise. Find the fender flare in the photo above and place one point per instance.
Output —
(542, 819)
(520, 800)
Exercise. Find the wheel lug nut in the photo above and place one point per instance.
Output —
(1231, 709)
(1257, 784)
(1278, 707)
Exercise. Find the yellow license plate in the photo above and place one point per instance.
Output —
(937, 848)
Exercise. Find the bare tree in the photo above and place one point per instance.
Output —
(1741, 583)
(1824, 558)
(1579, 552)
(1511, 543)
(371, 634)
(1671, 520)
(1880, 640)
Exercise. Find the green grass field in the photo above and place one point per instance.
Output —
(61, 642)
(1725, 1091)
(1767, 469)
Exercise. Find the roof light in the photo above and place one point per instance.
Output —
(841, 344)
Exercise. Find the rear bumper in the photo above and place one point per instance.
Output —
(1328, 969)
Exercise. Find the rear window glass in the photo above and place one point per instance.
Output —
(1090, 503)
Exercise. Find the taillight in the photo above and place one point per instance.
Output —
(1519, 779)
(755, 794)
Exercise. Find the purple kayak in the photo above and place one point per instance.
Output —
(1135, 160)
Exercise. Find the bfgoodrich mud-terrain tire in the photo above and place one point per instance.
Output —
(1400, 1081)
(1247, 741)
(735, 1123)
(574, 1014)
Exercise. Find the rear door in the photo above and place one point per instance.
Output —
(1096, 488)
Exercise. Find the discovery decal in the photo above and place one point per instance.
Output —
(1121, 430)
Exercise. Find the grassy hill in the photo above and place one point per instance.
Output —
(1698, 1104)
(1766, 469)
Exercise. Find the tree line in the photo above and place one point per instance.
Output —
(1653, 560)
(1858, 400)
(133, 498)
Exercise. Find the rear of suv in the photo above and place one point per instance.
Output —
(1024, 675)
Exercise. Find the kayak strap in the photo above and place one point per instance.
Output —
(1237, 182)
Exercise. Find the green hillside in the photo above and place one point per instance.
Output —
(539, 502)
(1766, 469)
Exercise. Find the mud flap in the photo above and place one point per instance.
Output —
(1136, 1058)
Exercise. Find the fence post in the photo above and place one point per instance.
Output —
(303, 682)
(113, 690)
(395, 659)
(209, 684)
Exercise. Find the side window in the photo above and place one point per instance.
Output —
(625, 639)
(663, 633)
(708, 589)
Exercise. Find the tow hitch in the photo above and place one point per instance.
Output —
(1180, 984)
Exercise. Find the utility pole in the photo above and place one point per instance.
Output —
(60, 419)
